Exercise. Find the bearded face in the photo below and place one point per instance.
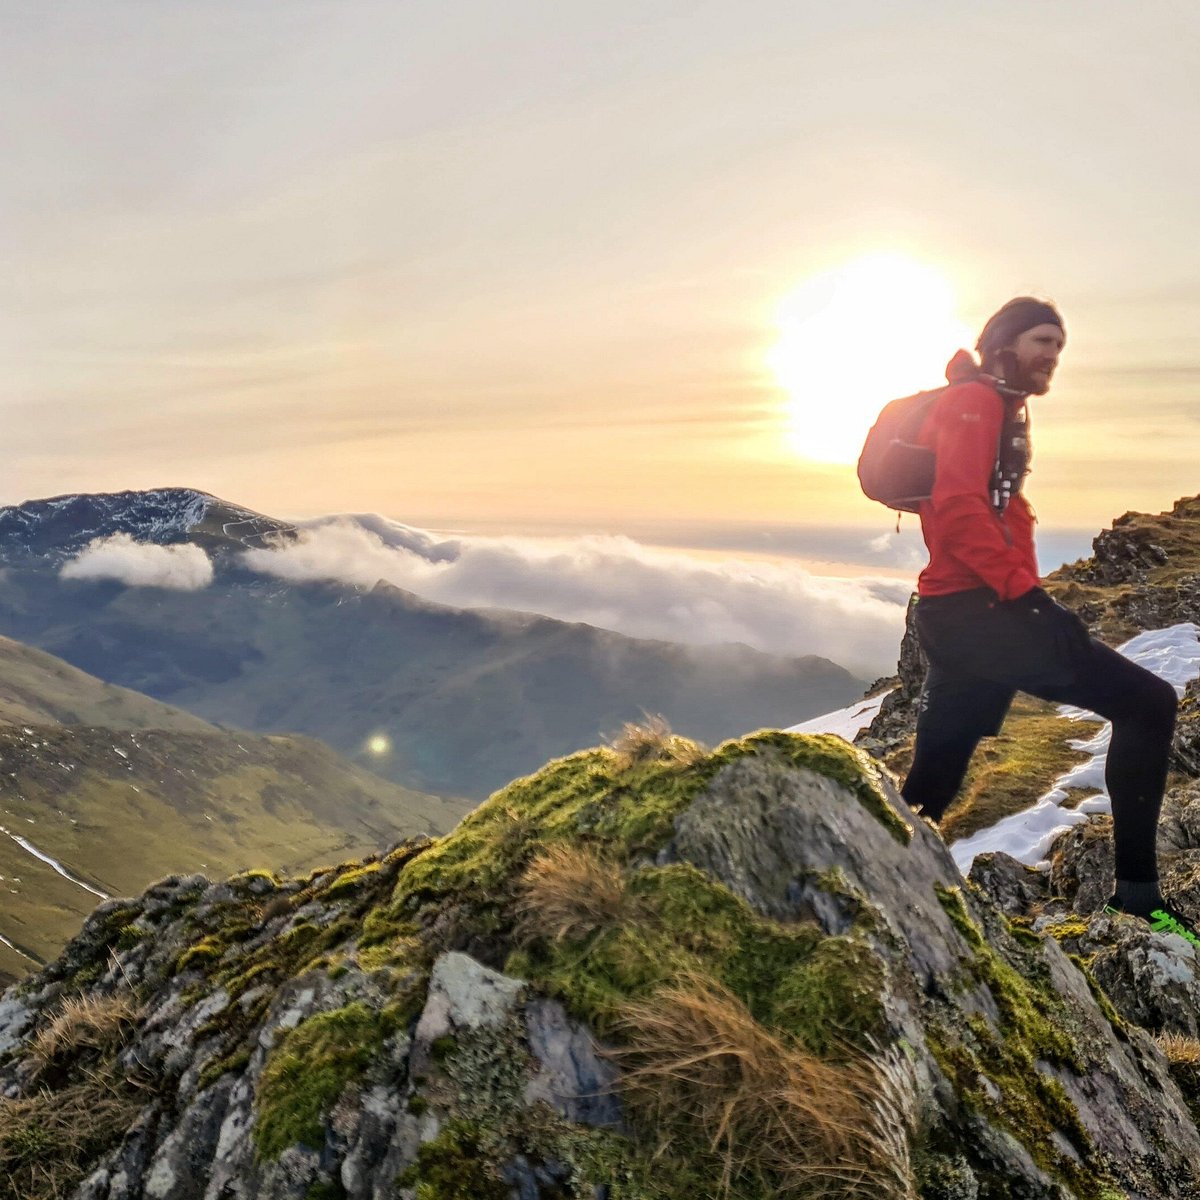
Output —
(1033, 358)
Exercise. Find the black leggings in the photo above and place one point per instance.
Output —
(982, 651)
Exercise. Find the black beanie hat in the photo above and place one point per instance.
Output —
(1018, 315)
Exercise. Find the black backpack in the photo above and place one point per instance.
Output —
(897, 472)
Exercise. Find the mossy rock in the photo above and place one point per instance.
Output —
(307, 1071)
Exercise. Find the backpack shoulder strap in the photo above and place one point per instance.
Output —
(1012, 451)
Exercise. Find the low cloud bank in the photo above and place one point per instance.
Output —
(615, 583)
(141, 564)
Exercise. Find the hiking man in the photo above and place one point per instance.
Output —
(989, 630)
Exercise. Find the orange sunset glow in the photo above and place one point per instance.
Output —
(585, 267)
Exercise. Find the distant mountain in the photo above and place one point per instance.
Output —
(103, 791)
(49, 531)
(458, 701)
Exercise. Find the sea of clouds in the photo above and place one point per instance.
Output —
(612, 582)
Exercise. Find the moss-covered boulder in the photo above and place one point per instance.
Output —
(640, 975)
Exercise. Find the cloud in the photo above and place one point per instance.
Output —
(898, 551)
(615, 583)
(141, 564)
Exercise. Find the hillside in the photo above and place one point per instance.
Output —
(119, 809)
(103, 790)
(346, 664)
(38, 689)
(644, 973)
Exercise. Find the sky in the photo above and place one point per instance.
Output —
(559, 268)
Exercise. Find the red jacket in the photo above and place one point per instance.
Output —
(970, 544)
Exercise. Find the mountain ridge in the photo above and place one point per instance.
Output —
(59, 526)
(347, 664)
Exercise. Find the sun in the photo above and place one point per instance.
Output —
(854, 338)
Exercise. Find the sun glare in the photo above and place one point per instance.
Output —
(379, 744)
(854, 338)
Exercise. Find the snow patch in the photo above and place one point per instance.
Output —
(54, 864)
(16, 950)
(1174, 655)
(845, 722)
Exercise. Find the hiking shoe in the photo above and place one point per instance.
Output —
(1163, 919)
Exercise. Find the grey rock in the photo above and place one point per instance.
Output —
(368, 1142)
(1152, 979)
(1011, 886)
(571, 1078)
(15, 1019)
(1126, 553)
(465, 995)
(761, 825)
(1185, 746)
(1081, 865)
(179, 1169)
(897, 716)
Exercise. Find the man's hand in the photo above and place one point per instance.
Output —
(1070, 633)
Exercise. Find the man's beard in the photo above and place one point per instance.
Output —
(1034, 379)
(1023, 377)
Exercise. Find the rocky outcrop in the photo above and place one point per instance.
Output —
(646, 976)
(1152, 980)
(1144, 573)
(1126, 553)
(1185, 747)
(897, 716)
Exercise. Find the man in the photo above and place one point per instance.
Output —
(987, 627)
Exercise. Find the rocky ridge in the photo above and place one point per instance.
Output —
(54, 529)
(643, 972)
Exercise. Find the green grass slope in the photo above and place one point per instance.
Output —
(118, 809)
(38, 689)
(119, 790)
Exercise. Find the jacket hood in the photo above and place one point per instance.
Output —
(963, 367)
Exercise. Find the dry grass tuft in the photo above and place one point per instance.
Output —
(1179, 1049)
(651, 740)
(97, 1025)
(568, 892)
(696, 1060)
(49, 1141)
